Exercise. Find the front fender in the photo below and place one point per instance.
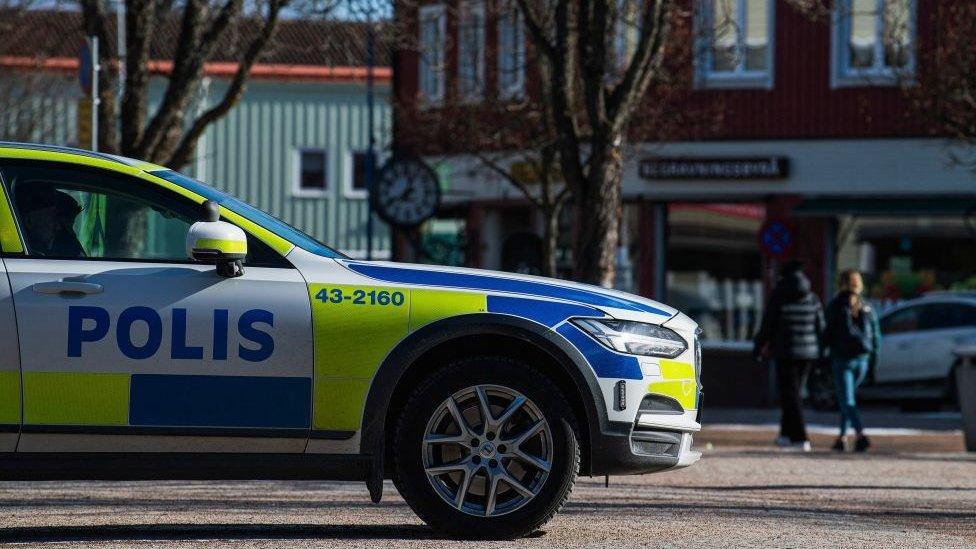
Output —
(411, 349)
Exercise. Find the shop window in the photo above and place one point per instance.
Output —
(511, 53)
(902, 258)
(312, 173)
(736, 45)
(714, 268)
(471, 50)
(433, 28)
(872, 42)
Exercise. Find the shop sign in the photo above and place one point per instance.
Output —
(759, 167)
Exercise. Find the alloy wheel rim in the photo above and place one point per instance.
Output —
(487, 450)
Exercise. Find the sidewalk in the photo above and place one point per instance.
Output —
(890, 430)
(875, 418)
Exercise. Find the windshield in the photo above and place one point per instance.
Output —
(244, 209)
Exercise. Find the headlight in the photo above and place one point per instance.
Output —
(635, 338)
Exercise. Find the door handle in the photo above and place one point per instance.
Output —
(67, 287)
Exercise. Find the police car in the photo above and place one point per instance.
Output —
(153, 327)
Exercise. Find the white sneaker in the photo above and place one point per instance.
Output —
(802, 446)
(783, 442)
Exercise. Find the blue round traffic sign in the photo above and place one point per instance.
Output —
(775, 238)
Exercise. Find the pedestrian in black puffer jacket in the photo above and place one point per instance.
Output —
(791, 334)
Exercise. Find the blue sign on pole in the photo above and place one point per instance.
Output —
(775, 238)
(85, 68)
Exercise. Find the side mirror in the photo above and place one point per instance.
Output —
(217, 243)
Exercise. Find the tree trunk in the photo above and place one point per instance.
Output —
(598, 211)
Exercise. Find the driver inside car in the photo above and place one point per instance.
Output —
(48, 216)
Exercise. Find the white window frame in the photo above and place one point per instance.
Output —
(842, 75)
(436, 74)
(296, 188)
(467, 8)
(705, 77)
(517, 89)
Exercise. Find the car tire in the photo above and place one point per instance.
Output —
(429, 441)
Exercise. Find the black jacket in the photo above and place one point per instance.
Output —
(841, 322)
(793, 322)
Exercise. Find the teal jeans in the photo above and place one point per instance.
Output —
(848, 374)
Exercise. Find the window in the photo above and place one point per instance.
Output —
(248, 211)
(511, 53)
(433, 25)
(736, 49)
(356, 186)
(312, 173)
(471, 50)
(945, 316)
(902, 321)
(872, 41)
(74, 213)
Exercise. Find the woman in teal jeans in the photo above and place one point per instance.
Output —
(854, 339)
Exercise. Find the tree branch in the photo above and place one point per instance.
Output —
(181, 155)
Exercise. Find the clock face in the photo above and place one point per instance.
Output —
(406, 192)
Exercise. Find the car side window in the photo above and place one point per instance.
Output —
(904, 320)
(78, 213)
(949, 315)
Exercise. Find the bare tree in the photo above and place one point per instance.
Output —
(596, 79)
(592, 87)
(169, 134)
(510, 136)
(943, 90)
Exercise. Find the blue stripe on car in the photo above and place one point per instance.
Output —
(220, 401)
(499, 284)
(549, 313)
(605, 362)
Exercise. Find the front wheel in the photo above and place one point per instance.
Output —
(486, 449)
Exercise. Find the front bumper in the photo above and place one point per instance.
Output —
(655, 442)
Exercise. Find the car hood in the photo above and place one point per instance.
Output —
(618, 304)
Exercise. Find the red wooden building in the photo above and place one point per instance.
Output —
(815, 129)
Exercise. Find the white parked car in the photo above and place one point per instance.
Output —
(917, 359)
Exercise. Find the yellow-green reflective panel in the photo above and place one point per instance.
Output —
(67, 398)
(430, 305)
(225, 246)
(9, 397)
(679, 383)
(354, 329)
(9, 235)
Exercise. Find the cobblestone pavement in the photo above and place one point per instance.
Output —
(914, 490)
